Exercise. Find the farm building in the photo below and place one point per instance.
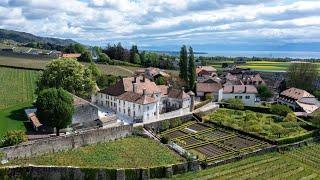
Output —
(246, 93)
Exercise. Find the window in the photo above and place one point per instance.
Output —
(236, 97)
(247, 97)
(148, 108)
(240, 97)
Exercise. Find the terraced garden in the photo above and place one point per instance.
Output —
(210, 143)
(129, 152)
(303, 163)
(16, 92)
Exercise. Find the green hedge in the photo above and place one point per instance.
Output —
(111, 173)
(298, 138)
(122, 63)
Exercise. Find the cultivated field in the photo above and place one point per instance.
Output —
(267, 66)
(210, 143)
(129, 152)
(303, 163)
(16, 92)
(41, 63)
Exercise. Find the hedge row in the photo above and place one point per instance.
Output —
(298, 138)
(122, 63)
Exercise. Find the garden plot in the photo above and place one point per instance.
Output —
(210, 143)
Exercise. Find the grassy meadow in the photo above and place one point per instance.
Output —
(16, 92)
(303, 163)
(129, 152)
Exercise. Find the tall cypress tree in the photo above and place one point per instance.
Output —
(191, 70)
(184, 63)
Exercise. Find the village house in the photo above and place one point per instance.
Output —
(70, 55)
(213, 89)
(204, 72)
(152, 73)
(246, 93)
(299, 100)
(137, 99)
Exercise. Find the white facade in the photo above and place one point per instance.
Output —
(247, 98)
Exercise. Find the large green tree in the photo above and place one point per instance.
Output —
(264, 93)
(85, 57)
(74, 48)
(191, 70)
(55, 108)
(95, 71)
(68, 74)
(133, 51)
(184, 63)
(302, 75)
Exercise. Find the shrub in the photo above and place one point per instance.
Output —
(208, 96)
(137, 130)
(316, 119)
(165, 139)
(176, 122)
(13, 138)
(235, 104)
(165, 125)
(291, 117)
(281, 110)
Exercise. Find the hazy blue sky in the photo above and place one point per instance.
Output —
(159, 23)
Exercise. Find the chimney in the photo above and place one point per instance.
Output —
(245, 89)
(135, 87)
(182, 89)
(143, 78)
(144, 92)
(232, 91)
(135, 79)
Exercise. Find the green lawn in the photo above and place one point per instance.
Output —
(129, 152)
(267, 125)
(16, 92)
(303, 163)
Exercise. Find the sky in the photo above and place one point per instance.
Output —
(168, 24)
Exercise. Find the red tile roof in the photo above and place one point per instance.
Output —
(137, 98)
(74, 55)
(178, 94)
(208, 87)
(240, 89)
(296, 93)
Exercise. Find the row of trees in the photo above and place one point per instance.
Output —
(134, 56)
(187, 67)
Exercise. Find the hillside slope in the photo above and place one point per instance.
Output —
(23, 37)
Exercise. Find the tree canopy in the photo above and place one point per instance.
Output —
(184, 63)
(264, 93)
(85, 57)
(302, 75)
(191, 70)
(74, 48)
(55, 108)
(69, 75)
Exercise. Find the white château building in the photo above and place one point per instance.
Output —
(138, 99)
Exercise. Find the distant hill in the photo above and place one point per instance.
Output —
(22, 37)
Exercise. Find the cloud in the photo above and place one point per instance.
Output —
(165, 22)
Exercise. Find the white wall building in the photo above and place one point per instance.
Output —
(247, 93)
(138, 99)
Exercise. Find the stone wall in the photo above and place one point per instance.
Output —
(62, 143)
(70, 173)
(85, 113)
(157, 126)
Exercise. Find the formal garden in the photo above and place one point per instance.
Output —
(210, 143)
(269, 126)
(302, 163)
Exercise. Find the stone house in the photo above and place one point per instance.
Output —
(214, 89)
(137, 99)
(204, 72)
(299, 100)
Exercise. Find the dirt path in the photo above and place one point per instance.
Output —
(125, 69)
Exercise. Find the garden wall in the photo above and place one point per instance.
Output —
(62, 143)
(69, 173)
(157, 126)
